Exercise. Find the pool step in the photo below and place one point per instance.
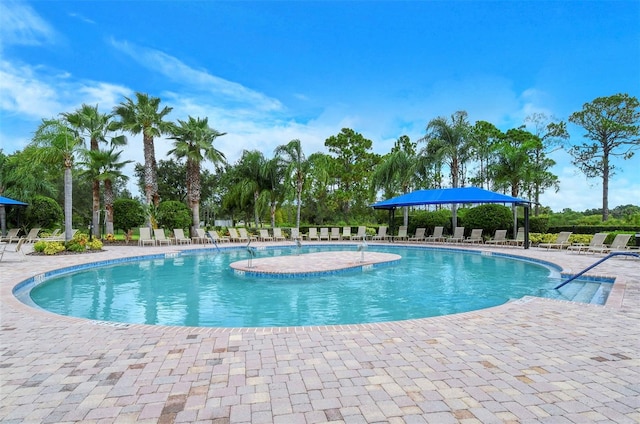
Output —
(587, 292)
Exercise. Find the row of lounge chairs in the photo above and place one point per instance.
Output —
(33, 235)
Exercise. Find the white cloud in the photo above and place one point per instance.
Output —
(177, 71)
(21, 25)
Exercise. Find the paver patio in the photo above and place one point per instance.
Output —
(531, 360)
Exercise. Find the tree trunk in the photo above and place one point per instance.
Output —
(108, 204)
(150, 172)
(3, 220)
(273, 214)
(256, 195)
(193, 193)
(95, 220)
(68, 202)
(605, 187)
(299, 201)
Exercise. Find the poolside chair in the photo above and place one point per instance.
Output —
(596, 242)
(324, 233)
(402, 233)
(346, 233)
(54, 236)
(295, 234)
(436, 236)
(457, 237)
(245, 236)
(277, 234)
(161, 238)
(519, 240)
(264, 235)
(32, 236)
(233, 235)
(500, 237)
(335, 233)
(618, 244)
(361, 234)
(475, 237)
(18, 249)
(313, 234)
(145, 237)
(178, 234)
(12, 234)
(200, 237)
(419, 235)
(561, 242)
(382, 233)
(215, 237)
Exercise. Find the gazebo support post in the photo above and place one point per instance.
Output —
(526, 225)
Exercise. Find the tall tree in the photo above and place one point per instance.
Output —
(95, 126)
(194, 141)
(144, 116)
(449, 140)
(397, 171)
(483, 138)
(273, 174)
(55, 143)
(612, 125)
(552, 134)
(294, 160)
(250, 181)
(354, 163)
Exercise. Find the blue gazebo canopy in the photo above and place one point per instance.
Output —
(448, 196)
(5, 201)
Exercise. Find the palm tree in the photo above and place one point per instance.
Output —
(95, 126)
(194, 141)
(397, 172)
(106, 166)
(449, 141)
(293, 158)
(273, 174)
(250, 180)
(56, 143)
(144, 117)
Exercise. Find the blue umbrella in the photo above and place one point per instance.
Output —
(5, 201)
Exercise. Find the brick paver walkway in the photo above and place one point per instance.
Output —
(532, 360)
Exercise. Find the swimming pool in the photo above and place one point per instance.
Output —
(198, 288)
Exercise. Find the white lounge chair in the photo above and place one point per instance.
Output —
(245, 236)
(361, 234)
(178, 234)
(234, 236)
(18, 249)
(145, 237)
(12, 234)
(324, 233)
(499, 238)
(618, 244)
(335, 233)
(596, 242)
(295, 234)
(277, 234)
(475, 237)
(313, 234)
(436, 236)
(419, 235)
(402, 233)
(562, 241)
(382, 233)
(32, 236)
(215, 237)
(160, 236)
(457, 237)
(264, 236)
(346, 233)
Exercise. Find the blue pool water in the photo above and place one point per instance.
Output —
(199, 289)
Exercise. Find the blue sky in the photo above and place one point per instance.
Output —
(268, 72)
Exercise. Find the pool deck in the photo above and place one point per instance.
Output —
(528, 361)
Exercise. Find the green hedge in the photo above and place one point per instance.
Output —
(592, 229)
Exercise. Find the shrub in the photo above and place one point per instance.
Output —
(173, 214)
(95, 244)
(53, 247)
(489, 217)
(44, 212)
(127, 214)
(39, 246)
(78, 243)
